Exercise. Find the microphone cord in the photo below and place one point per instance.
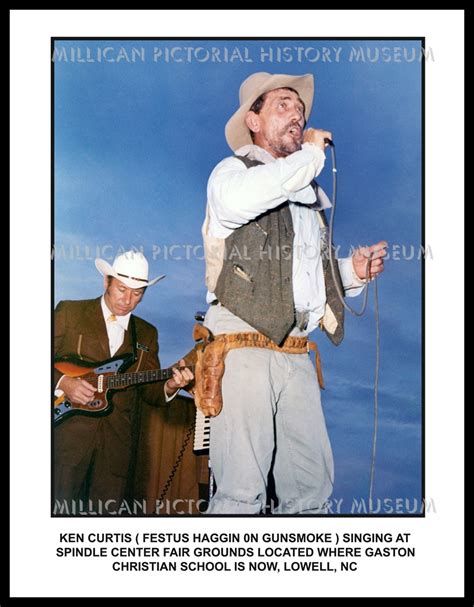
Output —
(358, 313)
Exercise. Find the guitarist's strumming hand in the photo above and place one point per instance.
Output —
(181, 378)
(77, 390)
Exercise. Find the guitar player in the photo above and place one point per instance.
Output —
(92, 453)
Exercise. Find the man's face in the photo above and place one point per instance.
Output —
(121, 299)
(279, 126)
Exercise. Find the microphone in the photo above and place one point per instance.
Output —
(329, 142)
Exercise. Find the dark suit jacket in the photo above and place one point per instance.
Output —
(80, 330)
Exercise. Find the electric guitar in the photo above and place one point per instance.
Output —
(107, 377)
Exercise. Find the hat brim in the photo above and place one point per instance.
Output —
(107, 270)
(236, 130)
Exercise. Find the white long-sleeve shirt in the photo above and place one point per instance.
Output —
(237, 195)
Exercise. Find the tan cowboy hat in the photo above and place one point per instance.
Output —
(236, 131)
(131, 268)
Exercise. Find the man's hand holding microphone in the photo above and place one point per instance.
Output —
(318, 137)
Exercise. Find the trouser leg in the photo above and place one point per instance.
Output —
(242, 435)
(89, 486)
(303, 468)
(106, 490)
(68, 485)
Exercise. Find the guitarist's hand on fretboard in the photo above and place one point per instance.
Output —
(78, 391)
(181, 378)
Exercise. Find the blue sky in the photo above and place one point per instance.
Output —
(135, 142)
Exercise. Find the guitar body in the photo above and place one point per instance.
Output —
(107, 377)
(97, 374)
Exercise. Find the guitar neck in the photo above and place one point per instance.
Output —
(123, 380)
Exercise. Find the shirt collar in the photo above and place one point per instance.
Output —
(255, 152)
(122, 321)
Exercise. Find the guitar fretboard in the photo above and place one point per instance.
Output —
(140, 377)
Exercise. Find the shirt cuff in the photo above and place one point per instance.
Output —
(169, 398)
(358, 282)
(352, 284)
(58, 392)
(318, 153)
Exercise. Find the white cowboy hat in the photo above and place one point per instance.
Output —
(236, 131)
(131, 268)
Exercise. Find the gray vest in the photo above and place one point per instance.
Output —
(256, 280)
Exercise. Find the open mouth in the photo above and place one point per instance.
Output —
(295, 130)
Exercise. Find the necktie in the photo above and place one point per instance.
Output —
(112, 318)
